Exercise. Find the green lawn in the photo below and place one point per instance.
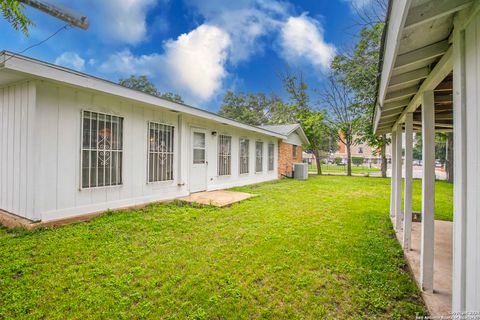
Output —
(322, 248)
(335, 168)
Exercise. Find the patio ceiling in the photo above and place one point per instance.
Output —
(416, 57)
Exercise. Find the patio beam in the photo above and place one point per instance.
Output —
(398, 180)
(428, 191)
(432, 10)
(423, 54)
(407, 207)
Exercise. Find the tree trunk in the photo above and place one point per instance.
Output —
(449, 158)
(349, 158)
(384, 157)
(318, 161)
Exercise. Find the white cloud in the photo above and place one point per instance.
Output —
(71, 60)
(192, 65)
(246, 21)
(301, 38)
(124, 20)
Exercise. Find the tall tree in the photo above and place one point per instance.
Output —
(345, 115)
(311, 120)
(12, 11)
(249, 108)
(142, 83)
(358, 70)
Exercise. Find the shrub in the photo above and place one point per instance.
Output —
(338, 160)
(357, 160)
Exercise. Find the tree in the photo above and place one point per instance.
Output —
(311, 120)
(249, 108)
(358, 70)
(142, 83)
(345, 114)
(12, 11)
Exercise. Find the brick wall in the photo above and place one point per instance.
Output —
(286, 160)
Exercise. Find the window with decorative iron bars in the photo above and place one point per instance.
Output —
(271, 156)
(160, 152)
(244, 156)
(224, 155)
(102, 149)
(258, 156)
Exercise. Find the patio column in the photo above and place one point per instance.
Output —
(398, 179)
(393, 174)
(407, 207)
(428, 191)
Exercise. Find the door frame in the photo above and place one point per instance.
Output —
(194, 129)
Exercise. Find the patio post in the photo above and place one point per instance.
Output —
(398, 179)
(428, 191)
(407, 207)
(393, 174)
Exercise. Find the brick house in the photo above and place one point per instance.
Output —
(289, 150)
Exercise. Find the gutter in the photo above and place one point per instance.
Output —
(380, 64)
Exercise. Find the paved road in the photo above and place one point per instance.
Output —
(417, 173)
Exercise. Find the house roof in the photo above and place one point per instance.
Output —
(287, 130)
(416, 56)
(15, 67)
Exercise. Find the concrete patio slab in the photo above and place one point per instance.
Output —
(440, 301)
(218, 198)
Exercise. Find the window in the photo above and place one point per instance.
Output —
(224, 155)
(360, 149)
(294, 151)
(258, 156)
(102, 148)
(244, 156)
(198, 148)
(271, 156)
(160, 152)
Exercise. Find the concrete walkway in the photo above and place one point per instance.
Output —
(218, 198)
(440, 301)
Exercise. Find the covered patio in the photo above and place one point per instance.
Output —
(429, 82)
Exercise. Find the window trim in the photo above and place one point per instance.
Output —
(218, 154)
(81, 187)
(240, 156)
(268, 157)
(166, 182)
(263, 156)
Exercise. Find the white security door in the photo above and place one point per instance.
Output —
(198, 161)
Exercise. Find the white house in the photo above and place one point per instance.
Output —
(72, 144)
(430, 81)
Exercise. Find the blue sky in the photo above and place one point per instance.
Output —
(197, 48)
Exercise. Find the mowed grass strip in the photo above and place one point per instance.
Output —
(322, 248)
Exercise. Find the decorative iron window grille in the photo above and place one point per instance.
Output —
(244, 155)
(160, 152)
(271, 156)
(102, 150)
(224, 155)
(258, 156)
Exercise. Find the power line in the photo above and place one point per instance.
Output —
(39, 43)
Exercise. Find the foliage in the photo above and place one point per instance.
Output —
(321, 140)
(357, 160)
(338, 161)
(440, 146)
(142, 83)
(298, 249)
(358, 71)
(12, 11)
(250, 108)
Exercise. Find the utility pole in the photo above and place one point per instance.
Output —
(68, 17)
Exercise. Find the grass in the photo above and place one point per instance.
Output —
(315, 249)
(335, 168)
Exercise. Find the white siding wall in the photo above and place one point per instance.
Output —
(214, 181)
(295, 139)
(57, 148)
(17, 125)
(58, 193)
